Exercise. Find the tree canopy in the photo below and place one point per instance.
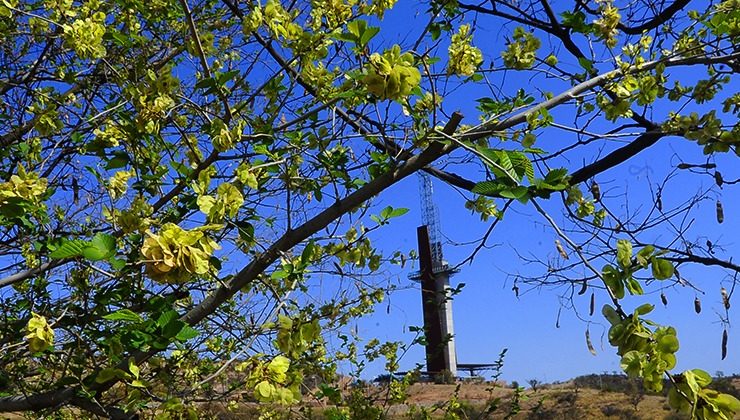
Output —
(178, 180)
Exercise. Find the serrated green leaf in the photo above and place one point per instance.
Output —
(515, 193)
(124, 315)
(172, 328)
(186, 333)
(69, 249)
(166, 317)
(488, 188)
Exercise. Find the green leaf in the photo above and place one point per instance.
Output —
(101, 247)
(643, 255)
(644, 309)
(119, 160)
(489, 188)
(166, 317)
(357, 27)
(124, 315)
(398, 212)
(624, 253)
(634, 286)
(587, 64)
(172, 328)
(611, 315)
(186, 333)
(108, 374)
(662, 269)
(133, 368)
(515, 193)
(368, 35)
(69, 249)
(613, 279)
(668, 344)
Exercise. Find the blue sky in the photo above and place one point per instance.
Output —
(488, 316)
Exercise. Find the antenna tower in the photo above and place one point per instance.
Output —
(430, 218)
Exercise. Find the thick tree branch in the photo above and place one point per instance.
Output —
(616, 157)
(656, 21)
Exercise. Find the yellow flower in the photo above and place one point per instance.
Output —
(40, 335)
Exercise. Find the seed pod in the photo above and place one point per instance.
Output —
(659, 202)
(596, 191)
(589, 344)
(516, 290)
(561, 250)
(684, 165)
(593, 305)
(697, 305)
(75, 191)
(720, 212)
(584, 286)
(725, 298)
(718, 178)
(724, 344)
(663, 299)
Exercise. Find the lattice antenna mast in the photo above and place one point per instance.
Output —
(430, 218)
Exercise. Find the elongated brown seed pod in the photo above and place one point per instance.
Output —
(725, 298)
(663, 299)
(697, 305)
(596, 191)
(584, 287)
(720, 212)
(561, 250)
(718, 179)
(659, 202)
(724, 344)
(589, 344)
(593, 305)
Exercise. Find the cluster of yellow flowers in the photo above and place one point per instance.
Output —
(24, 185)
(40, 335)
(464, 58)
(85, 36)
(392, 75)
(175, 254)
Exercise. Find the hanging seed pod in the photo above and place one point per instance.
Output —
(584, 286)
(663, 299)
(589, 344)
(596, 191)
(659, 202)
(561, 250)
(725, 298)
(75, 191)
(720, 212)
(593, 305)
(724, 344)
(718, 179)
(697, 305)
(516, 290)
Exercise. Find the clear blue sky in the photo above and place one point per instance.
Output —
(487, 315)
